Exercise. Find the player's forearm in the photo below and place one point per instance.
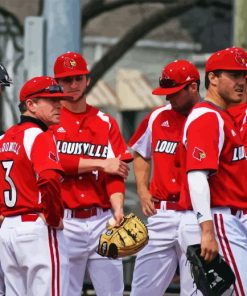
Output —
(200, 195)
(142, 169)
(49, 187)
(88, 165)
(117, 201)
(207, 227)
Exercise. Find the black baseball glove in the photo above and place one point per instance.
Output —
(212, 278)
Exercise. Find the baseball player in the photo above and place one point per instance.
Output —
(33, 256)
(85, 138)
(4, 81)
(239, 113)
(214, 160)
(157, 138)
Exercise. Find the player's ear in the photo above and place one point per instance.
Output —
(194, 87)
(213, 78)
(31, 104)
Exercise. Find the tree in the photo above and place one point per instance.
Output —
(170, 10)
(93, 8)
(137, 32)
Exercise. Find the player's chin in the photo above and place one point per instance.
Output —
(75, 96)
(55, 119)
(238, 98)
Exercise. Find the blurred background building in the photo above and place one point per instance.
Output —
(126, 43)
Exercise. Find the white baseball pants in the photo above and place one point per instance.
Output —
(156, 264)
(82, 236)
(33, 258)
(231, 237)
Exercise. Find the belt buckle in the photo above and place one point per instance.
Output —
(85, 213)
(90, 211)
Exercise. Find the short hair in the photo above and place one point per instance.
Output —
(23, 106)
(216, 73)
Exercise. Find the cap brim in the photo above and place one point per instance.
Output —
(161, 91)
(71, 73)
(225, 68)
(60, 96)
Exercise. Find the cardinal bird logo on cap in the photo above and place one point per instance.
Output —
(69, 63)
(240, 59)
(198, 154)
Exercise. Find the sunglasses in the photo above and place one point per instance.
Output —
(70, 79)
(52, 89)
(167, 83)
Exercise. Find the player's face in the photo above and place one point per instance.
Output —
(47, 110)
(231, 86)
(74, 85)
(184, 100)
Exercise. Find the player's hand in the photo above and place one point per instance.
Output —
(209, 245)
(60, 225)
(118, 216)
(147, 204)
(115, 166)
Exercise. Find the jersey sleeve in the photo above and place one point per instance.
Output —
(203, 139)
(49, 187)
(114, 184)
(44, 154)
(141, 141)
(117, 145)
(69, 163)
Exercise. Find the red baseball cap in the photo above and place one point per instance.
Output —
(42, 87)
(176, 76)
(232, 58)
(70, 64)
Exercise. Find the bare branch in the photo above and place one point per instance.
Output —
(15, 20)
(94, 8)
(41, 7)
(135, 33)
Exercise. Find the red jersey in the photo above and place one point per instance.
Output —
(239, 113)
(157, 137)
(213, 143)
(91, 134)
(25, 152)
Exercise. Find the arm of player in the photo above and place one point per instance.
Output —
(113, 166)
(115, 189)
(117, 203)
(200, 199)
(49, 187)
(142, 170)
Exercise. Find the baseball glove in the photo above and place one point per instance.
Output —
(212, 278)
(125, 240)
